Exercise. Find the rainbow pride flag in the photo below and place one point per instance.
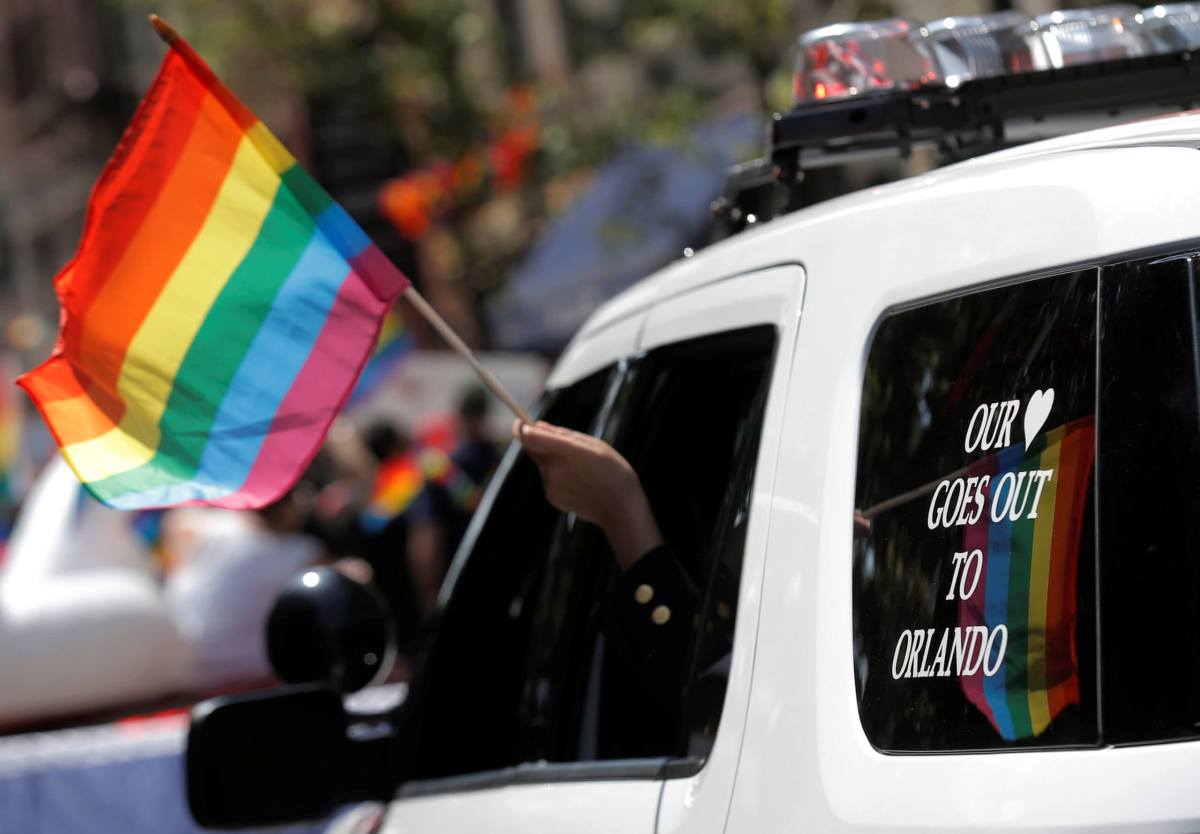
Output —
(216, 314)
(10, 452)
(1028, 583)
(10, 435)
(395, 343)
(397, 484)
(461, 489)
(399, 481)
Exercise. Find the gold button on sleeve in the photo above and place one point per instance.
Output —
(723, 610)
(660, 615)
(643, 594)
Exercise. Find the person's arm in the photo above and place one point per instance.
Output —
(650, 612)
(584, 475)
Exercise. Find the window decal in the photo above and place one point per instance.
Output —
(1027, 577)
(974, 571)
(1013, 649)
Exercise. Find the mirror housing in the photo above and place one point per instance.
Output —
(266, 758)
(325, 627)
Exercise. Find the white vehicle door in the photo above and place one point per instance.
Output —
(563, 694)
(493, 754)
(699, 786)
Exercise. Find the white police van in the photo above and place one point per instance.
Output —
(926, 453)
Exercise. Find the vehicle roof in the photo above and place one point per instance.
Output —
(1060, 201)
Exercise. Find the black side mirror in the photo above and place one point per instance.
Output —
(287, 755)
(327, 628)
(266, 758)
(292, 754)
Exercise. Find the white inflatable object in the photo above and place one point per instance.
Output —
(220, 595)
(60, 531)
(83, 625)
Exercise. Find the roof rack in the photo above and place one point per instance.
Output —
(979, 116)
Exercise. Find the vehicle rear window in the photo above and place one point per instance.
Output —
(974, 569)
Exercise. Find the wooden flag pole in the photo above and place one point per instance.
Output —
(447, 332)
(164, 29)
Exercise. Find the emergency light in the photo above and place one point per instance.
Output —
(851, 59)
(1173, 28)
(981, 47)
(961, 87)
(846, 59)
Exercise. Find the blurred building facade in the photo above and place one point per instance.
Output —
(63, 97)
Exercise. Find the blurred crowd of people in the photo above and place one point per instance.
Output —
(396, 518)
(102, 611)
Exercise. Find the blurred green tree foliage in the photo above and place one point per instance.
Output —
(438, 76)
(667, 60)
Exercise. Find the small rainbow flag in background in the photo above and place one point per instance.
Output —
(1028, 583)
(395, 342)
(217, 312)
(461, 489)
(10, 433)
(10, 451)
(397, 484)
(399, 481)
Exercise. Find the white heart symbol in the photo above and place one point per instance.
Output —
(1036, 413)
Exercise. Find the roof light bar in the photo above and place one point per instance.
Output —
(847, 59)
(1083, 36)
(851, 59)
(981, 47)
(1172, 28)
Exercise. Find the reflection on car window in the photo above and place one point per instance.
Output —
(973, 556)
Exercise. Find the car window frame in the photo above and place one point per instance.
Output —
(622, 385)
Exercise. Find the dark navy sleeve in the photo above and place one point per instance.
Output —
(650, 617)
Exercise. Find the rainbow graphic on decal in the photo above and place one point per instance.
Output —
(216, 314)
(1029, 582)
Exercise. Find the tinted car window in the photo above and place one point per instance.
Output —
(973, 570)
(720, 572)
(1150, 500)
(523, 669)
(584, 699)
(468, 693)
